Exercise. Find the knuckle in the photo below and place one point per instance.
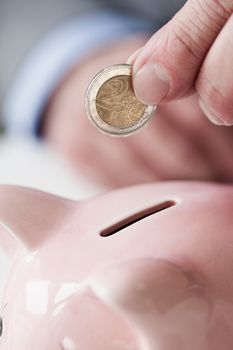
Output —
(186, 40)
(223, 8)
(197, 25)
(216, 11)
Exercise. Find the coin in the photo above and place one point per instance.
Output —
(111, 103)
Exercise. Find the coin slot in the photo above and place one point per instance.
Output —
(136, 217)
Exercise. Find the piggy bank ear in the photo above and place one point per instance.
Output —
(28, 217)
(163, 304)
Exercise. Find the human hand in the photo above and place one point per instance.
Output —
(178, 143)
(194, 51)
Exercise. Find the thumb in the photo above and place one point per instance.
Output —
(167, 66)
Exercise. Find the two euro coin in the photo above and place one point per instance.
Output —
(111, 103)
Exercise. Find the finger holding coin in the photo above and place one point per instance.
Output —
(112, 105)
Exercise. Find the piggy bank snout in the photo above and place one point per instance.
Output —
(158, 299)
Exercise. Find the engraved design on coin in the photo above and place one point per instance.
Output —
(111, 104)
(116, 103)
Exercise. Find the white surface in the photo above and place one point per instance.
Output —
(28, 163)
(32, 164)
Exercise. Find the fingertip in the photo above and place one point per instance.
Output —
(212, 116)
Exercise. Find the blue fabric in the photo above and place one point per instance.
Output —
(54, 56)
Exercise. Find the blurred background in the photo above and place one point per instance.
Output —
(24, 160)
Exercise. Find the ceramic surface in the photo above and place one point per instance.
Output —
(144, 268)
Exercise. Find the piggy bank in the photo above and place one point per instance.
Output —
(144, 268)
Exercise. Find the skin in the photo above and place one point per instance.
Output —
(178, 143)
(191, 53)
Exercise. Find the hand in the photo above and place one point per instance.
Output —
(178, 143)
(194, 51)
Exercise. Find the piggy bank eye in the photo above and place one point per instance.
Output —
(0, 326)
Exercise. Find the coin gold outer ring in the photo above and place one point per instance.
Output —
(90, 102)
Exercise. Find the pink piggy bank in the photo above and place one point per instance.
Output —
(144, 268)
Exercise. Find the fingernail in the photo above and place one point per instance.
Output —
(133, 57)
(210, 115)
(151, 83)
